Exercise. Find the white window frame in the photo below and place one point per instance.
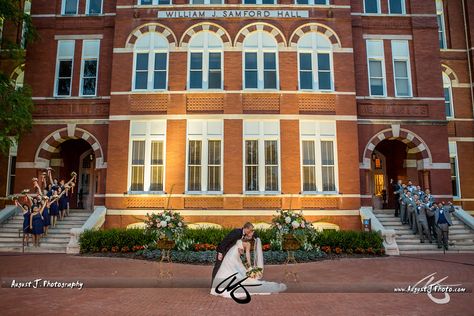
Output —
(63, 8)
(259, 2)
(261, 138)
(382, 61)
(312, 2)
(83, 60)
(442, 27)
(403, 2)
(88, 7)
(205, 137)
(13, 151)
(148, 138)
(408, 63)
(206, 2)
(453, 153)
(261, 64)
(449, 86)
(379, 9)
(56, 79)
(154, 2)
(151, 51)
(318, 138)
(205, 51)
(314, 51)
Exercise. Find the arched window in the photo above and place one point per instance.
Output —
(205, 60)
(151, 62)
(448, 96)
(260, 61)
(20, 80)
(315, 62)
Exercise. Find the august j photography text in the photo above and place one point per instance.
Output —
(41, 283)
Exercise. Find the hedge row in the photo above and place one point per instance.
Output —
(100, 240)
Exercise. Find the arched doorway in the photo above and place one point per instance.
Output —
(391, 155)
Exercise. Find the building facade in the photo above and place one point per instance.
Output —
(229, 110)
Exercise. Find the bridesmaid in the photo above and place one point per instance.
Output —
(46, 215)
(26, 222)
(62, 202)
(54, 208)
(36, 224)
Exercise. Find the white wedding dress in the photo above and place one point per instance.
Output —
(232, 264)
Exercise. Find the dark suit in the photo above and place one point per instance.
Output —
(225, 245)
(442, 230)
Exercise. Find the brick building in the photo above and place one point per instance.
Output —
(239, 108)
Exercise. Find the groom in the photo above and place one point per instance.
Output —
(247, 231)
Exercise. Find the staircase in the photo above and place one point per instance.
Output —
(461, 237)
(55, 242)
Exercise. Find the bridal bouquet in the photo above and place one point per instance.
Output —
(167, 224)
(255, 273)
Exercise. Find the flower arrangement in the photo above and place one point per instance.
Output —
(255, 272)
(167, 225)
(288, 222)
(266, 247)
(204, 247)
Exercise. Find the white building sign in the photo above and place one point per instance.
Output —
(206, 14)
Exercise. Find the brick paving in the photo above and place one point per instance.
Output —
(331, 279)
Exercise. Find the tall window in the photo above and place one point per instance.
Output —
(261, 156)
(24, 29)
(11, 169)
(372, 6)
(64, 66)
(260, 61)
(151, 62)
(154, 2)
(441, 24)
(315, 62)
(453, 155)
(89, 67)
(204, 172)
(69, 7)
(402, 69)
(396, 6)
(205, 61)
(448, 96)
(258, 1)
(318, 156)
(312, 2)
(376, 66)
(93, 7)
(147, 156)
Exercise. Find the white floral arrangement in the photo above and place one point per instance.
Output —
(288, 222)
(167, 224)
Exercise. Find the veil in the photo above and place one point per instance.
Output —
(258, 254)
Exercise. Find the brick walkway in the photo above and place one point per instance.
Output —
(377, 277)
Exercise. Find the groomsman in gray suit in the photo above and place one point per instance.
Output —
(443, 221)
(422, 221)
(403, 205)
(410, 206)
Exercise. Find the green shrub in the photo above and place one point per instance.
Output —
(348, 239)
(96, 240)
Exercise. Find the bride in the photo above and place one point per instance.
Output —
(231, 279)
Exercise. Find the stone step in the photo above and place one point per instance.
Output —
(14, 230)
(433, 251)
(417, 242)
(51, 233)
(46, 240)
(41, 249)
(455, 236)
(434, 246)
(68, 220)
(58, 225)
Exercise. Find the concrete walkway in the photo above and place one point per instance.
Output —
(335, 287)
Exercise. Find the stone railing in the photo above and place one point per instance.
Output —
(464, 217)
(8, 212)
(95, 221)
(388, 235)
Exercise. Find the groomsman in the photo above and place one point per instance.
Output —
(396, 187)
(443, 221)
(410, 187)
(430, 197)
(410, 207)
(403, 205)
(422, 221)
(430, 212)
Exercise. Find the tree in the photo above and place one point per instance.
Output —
(16, 105)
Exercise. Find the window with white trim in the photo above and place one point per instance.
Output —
(453, 155)
(318, 155)
(441, 24)
(323, 2)
(24, 29)
(258, 1)
(372, 6)
(376, 67)
(151, 62)
(69, 7)
(396, 6)
(93, 7)
(64, 67)
(207, 1)
(261, 156)
(154, 2)
(315, 62)
(448, 96)
(89, 67)
(205, 53)
(401, 68)
(260, 61)
(204, 171)
(147, 156)
(11, 172)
